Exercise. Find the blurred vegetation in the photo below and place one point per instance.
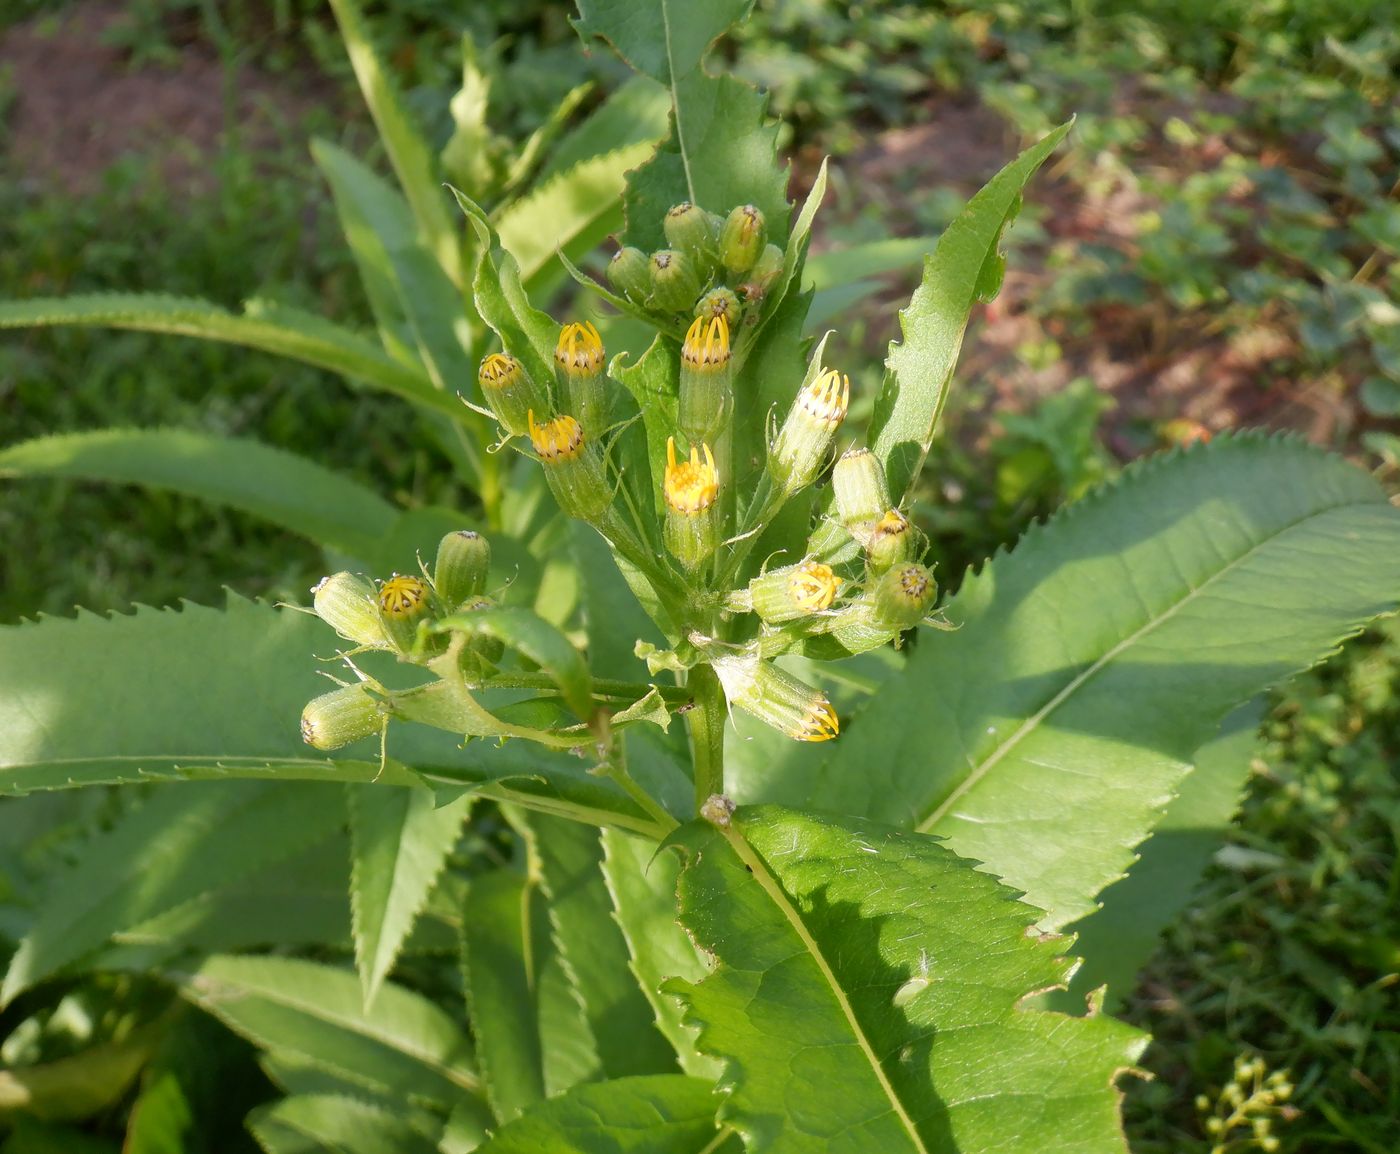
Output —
(1260, 140)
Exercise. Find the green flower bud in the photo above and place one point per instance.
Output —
(903, 596)
(790, 593)
(706, 380)
(763, 275)
(691, 487)
(674, 282)
(508, 391)
(776, 697)
(341, 716)
(891, 541)
(403, 603)
(580, 357)
(630, 274)
(571, 466)
(459, 572)
(720, 303)
(741, 240)
(858, 484)
(346, 602)
(688, 230)
(800, 450)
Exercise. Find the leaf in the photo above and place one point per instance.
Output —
(400, 843)
(217, 694)
(536, 639)
(636, 113)
(278, 486)
(408, 150)
(659, 1114)
(593, 951)
(79, 1085)
(836, 267)
(1044, 735)
(178, 845)
(916, 383)
(866, 996)
(403, 1044)
(663, 40)
(274, 329)
(315, 1124)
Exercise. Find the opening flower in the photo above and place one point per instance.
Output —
(706, 347)
(402, 596)
(691, 486)
(828, 398)
(579, 350)
(813, 586)
(558, 439)
(499, 371)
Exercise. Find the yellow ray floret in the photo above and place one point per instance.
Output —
(820, 724)
(691, 486)
(580, 350)
(813, 586)
(706, 346)
(402, 596)
(498, 371)
(828, 397)
(556, 440)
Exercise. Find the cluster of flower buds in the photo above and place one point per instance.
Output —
(1244, 1112)
(389, 615)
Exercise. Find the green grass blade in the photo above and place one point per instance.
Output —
(270, 483)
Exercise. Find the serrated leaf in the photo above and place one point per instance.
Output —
(874, 960)
(664, 40)
(272, 329)
(916, 384)
(178, 845)
(635, 113)
(658, 1114)
(403, 1044)
(278, 486)
(1046, 732)
(328, 1124)
(400, 841)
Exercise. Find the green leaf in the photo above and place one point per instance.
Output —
(403, 1044)
(1044, 735)
(866, 996)
(634, 114)
(400, 842)
(916, 383)
(269, 328)
(321, 1123)
(281, 487)
(178, 845)
(663, 40)
(408, 150)
(217, 694)
(659, 1114)
(79, 1085)
(593, 950)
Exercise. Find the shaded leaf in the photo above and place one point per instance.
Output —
(317, 1124)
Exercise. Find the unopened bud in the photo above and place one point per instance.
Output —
(580, 357)
(720, 303)
(691, 487)
(403, 603)
(904, 595)
(891, 541)
(339, 717)
(629, 273)
(741, 240)
(705, 388)
(346, 602)
(674, 282)
(800, 450)
(688, 230)
(776, 697)
(763, 275)
(793, 592)
(459, 572)
(858, 484)
(571, 466)
(508, 391)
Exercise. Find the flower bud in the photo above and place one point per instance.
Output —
(720, 303)
(459, 572)
(891, 541)
(339, 717)
(792, 592)
(763, 275)
(688, 230)
(580, 357)
(403, 603)
(691, 487)
(629, 273)
(741, 240)
(707, 370)
(508, 391)
(674, 282)
(858, 484)
(571, 466)
(800, 449)
(346, 602)
(776, 697)
(903, 596)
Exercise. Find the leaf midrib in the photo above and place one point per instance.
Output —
(1032, 723)
(675, 98)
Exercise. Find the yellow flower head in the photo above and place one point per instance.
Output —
(691, 486)
(820, 723)
(706, 347)
(580, 350)
(813, 586)
(827, 398)
(402, 596)
(891, 526)
(498, 371)
(556, 440)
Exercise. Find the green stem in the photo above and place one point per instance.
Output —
(706, 724)
(602, 687)
(617, 771)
